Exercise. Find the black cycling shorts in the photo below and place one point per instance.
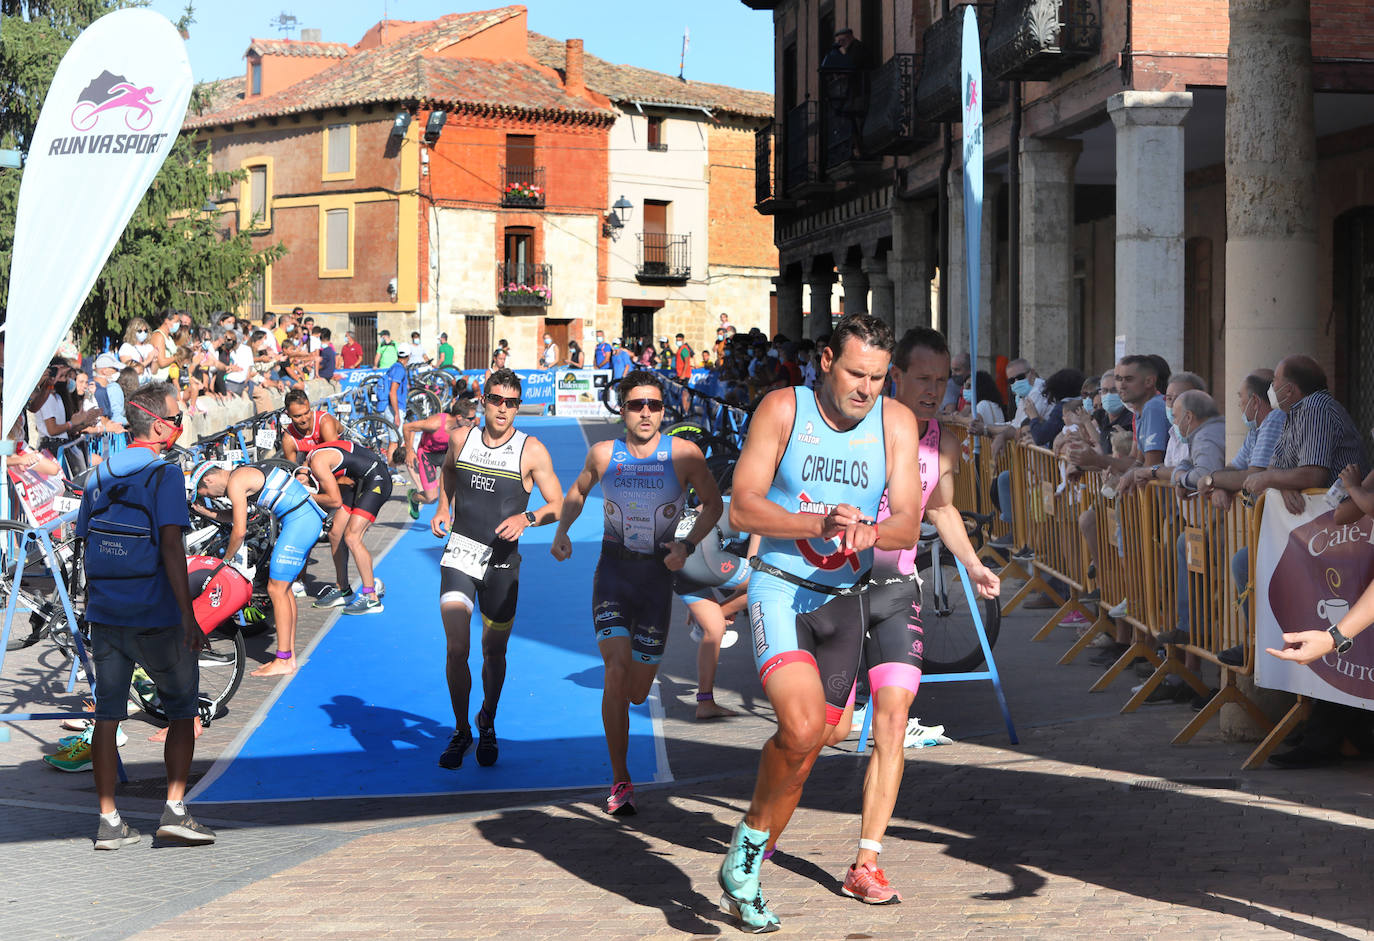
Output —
(495, 595)
(366, 497)
(895, 643)
(633, 597)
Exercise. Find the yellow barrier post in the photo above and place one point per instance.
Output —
(1027, 515)
(1110, 570)
(1053, 536)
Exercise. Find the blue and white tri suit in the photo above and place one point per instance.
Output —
(300, 519)
(820, 468)
(632, 589)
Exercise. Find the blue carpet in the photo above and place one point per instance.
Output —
(369, 713)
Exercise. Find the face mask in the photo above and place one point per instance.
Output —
(547, 341)
(1173, 422)
(1274, 398)
(290, 328)
(71, 385)
(142, 335)
(1021, 388)
(1112, 403)
(1250, 423)
(1088, 404)
(205, 345)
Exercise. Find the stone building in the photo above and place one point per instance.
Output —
(1195, 180)
(456, 175)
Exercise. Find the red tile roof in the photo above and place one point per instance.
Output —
(296, 47)
(626, 83)
(409, 69)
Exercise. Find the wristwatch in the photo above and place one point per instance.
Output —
(1206, 482)
(1343, 643)
(529, 518)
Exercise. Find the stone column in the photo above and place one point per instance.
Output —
(1149, 220)
(910, 261)
(854, 283)
(789, 287)
(956, 284)
(821, 281)
(1271, 191)
(883, 303)
(1048, 335)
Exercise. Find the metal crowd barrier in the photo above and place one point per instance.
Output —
(1140, 541)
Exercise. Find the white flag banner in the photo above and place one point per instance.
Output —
(107, 124)
(1309, 570)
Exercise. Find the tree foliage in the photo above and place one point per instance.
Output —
(174, 252)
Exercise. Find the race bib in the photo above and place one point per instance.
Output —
(345, 408)
(267, 438)
(233, 455)
(466, 555)
(65, 505)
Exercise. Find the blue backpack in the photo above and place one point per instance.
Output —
(121, 535)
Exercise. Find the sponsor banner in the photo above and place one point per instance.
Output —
(971, 72)
(1308, 572)
(537, 385)
(110, 118)
(578, 392)
(42, 497)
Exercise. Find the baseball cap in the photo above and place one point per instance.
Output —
(663, 339)
(615, 342)
(405, 353)
(107, 361)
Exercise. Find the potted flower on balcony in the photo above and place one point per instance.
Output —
(521, 191)
(525, 295)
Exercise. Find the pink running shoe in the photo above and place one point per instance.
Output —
(868, 884)
(1073, 619)
(621, 803)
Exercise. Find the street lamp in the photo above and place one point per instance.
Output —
(621, 210)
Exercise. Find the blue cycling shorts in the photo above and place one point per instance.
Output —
(300, 530)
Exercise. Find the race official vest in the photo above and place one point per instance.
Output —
(903, 561)
(643, 497)
(820, 469)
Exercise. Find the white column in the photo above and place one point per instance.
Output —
(1149, 220)
(1047, 330)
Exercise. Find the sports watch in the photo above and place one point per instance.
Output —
(529, 518)
(1343, 643)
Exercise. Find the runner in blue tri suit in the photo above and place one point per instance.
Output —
(809, 481)
(301, 521)
(644, 481)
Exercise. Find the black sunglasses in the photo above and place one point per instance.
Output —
(639, 405)
(1018, 377)
(492, 398)
(170, 419)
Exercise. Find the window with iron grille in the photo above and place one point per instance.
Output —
(477, 342)
(364, 330)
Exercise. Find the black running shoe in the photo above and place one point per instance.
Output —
(457, 747)
(486, 742)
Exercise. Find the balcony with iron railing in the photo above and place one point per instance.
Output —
(1037, 40)
(891, 125)
(802, 157)
(940, 90)
(522, 187)
(523, 285)
(664, 258)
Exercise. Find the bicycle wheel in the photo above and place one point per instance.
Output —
(951, 640)
(421, 403)
(436, 381)
(223, 662)
(375, 432)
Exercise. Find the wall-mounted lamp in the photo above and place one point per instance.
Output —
(621, 210)
(391, 290)
(434, 126)
(400, 124)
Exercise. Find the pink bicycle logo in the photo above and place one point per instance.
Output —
(111, 93)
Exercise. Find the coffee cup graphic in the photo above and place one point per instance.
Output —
(1333, 609)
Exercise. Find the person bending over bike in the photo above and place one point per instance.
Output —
(301, 522)
(894, 644)
(307, 429)
(355, 483)
(488, 475)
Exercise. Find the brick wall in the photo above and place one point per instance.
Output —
(1170, 26)
(737, 235)
(1342, 28)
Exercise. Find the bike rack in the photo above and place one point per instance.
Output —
(990, 673)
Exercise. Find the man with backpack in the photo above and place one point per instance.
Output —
(139, 608)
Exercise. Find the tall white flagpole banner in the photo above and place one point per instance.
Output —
(971, 81)
(111, 117)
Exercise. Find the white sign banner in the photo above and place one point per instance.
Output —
(971, 85)
(111, 116)
(577, 392)
(1308, 572)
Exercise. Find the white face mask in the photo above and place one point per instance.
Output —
(1273, 397)
(142, 335)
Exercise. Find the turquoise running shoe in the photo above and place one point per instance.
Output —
(739, 873)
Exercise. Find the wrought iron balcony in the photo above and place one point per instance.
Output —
(1037, 40)
(522, 186)
(939, 93)
(520, 284)
(891, 125)
(664, 258)
(801, 161)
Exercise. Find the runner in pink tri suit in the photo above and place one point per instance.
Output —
(427, 462)
(894, 643)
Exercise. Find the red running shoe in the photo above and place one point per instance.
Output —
(868, 884)
(621, 803)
